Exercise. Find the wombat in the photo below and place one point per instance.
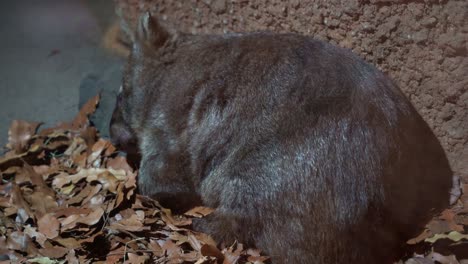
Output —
(304, 150)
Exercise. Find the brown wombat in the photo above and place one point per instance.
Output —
(306, 151)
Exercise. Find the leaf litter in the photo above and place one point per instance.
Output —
(67, 196)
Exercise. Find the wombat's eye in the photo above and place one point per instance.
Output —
(120, 96)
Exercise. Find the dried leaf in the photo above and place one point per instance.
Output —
(54, 252)
(69, 243)
(19, 202)
(136, 259)
(49, 226)
(454, 236)
(71, 257)
(211, 251)
(38, 236)
(199, 211)
(81, 120)
(19, 134)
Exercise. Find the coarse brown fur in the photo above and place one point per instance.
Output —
(305, 151)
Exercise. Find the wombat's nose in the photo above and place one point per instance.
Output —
(177, 202)
(123, 139)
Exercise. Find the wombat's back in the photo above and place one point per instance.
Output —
(320, 157)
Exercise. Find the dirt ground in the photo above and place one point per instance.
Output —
(421, 44)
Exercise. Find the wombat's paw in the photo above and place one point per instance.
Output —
(220, 229)
(145, 186)
(147, 183)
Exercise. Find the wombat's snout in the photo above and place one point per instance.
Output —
(123, 138)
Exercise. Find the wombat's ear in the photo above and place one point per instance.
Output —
(125, 25)
(151, 32)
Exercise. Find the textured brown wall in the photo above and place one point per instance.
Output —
(422, 45)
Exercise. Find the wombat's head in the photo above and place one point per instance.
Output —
(148, 38)
(134, 113)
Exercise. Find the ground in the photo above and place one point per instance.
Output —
(52, 60)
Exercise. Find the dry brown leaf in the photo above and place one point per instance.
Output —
(42, 203)
(69, 243)
(96, 151)
(449, 216)
(115, 257)
(134, 224)
(38, 181)
(19, 202)
(170, 247)
(18, 160)
(175, 222)
(136, 259)
(85, 194)
(77, 150)
(19, 134)
(20, 241)
(71, 257)
(211, 251)
(205, 239)
(233, 253)
(87, 219)
(45, 170)
(107, 177)
(89, 135)
(119, 163)
(92, 218)
(81, 120)
(155, 248)
(190, 256)
(39, 237)
(439, 226)
(49, 226)
(194, 242)
(53, 252)
(199, 211)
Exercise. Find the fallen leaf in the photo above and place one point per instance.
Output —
(49, 226)
(43, 260)
(70, 242)
(199, 211)
(454, 236)
(19, 134)
(211, 251)
(81, 120)
(136, 259)
(32, 232)
(54, 252)
(71, 257)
